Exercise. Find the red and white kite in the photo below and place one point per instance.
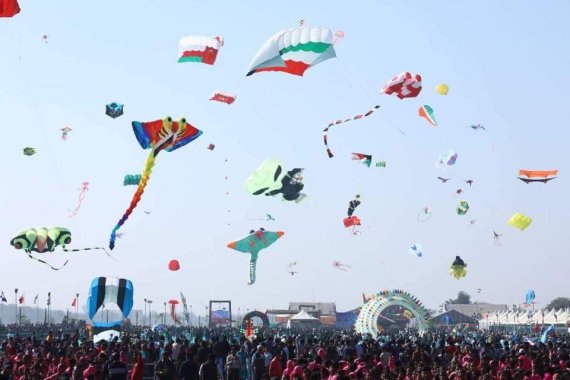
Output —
(224, 97)
(404, 85)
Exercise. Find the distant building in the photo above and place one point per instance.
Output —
(325, 312)
(451, 318)
(476, 310)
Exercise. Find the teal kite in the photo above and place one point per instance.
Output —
(426, 112)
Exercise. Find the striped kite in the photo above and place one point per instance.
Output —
(404, 85)
(426, 112)
(529, 176)
(199, 49)
(326, 130)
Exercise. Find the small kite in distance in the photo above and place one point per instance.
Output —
(443, 180)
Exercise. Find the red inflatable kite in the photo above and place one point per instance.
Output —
(9, 8)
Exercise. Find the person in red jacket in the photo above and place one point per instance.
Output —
(275, 368)
(138, 368)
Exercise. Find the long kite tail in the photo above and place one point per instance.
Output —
(74, 212)
(252, 265)
(136, 197)
(85, 249)
(326, 130)
(49, 265)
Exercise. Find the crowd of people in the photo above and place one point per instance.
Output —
(54, 353)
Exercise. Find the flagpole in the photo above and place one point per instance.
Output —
(77, 307)
(37, 310)
(16, 304)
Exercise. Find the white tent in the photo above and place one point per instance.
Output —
(107, 335)
(302, 320)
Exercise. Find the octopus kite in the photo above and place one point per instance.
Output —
(458, 268)
(42, 240)
(253, 244)
(82, 192)
(157, 135)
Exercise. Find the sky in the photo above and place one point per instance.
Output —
(505, 64)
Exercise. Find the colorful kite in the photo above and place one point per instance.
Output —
(448, 158)
(64, 132)
(365, 159)
(426, 112)
(530, 296)
(114, 110)
(271, 179)
(520, 221)
(42, 240)
(223, 97)
(294, 51)
(173, 304)
(110, 290)
(442, 89)
(458, 268)
(199, 49)
(352, 220)
(9, 8)
(529, 176)
(462, 208)
(380, 164)
(132, 179)
(404, 85)
(82, 192)
(253, 243)
(340, 266)
(424, 215)
(416, 249)
(29, 151)
(326, 130)
(157, 135)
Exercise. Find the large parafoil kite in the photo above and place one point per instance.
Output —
(271, 179)
(223, 97)
(110, 290)
(9, 8)
(132, 179)
(252, 244)
(199, 49)
(404, 85)
(442, 89)
(458, 268)
(520, 221)
(157, 135)
(42, 240)
(529, 176)
(294, 51)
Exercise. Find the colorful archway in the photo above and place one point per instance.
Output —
(367, 321)
(258, 314)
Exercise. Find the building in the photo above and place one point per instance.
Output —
(325, 312)
(476, 310)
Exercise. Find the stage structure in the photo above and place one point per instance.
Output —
(220, 313)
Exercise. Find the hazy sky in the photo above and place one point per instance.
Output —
(507, 67)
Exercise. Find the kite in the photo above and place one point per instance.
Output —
(114, 110)
(211, 146)
(520, 221)
(223, 97)
(9, 8)
(469, 182)
(173, 304)
(476, 127)
(268, 217)
(404, 85)
(365, 159)
(340, 266)
(442, 89)
(338, 35)
(293, 272)
(132, 179)
(64, 132)
(496, 238)
(326, 130)
(416, 249)
(199, 49)
(458, 268)
(458, 191)
(424, 215)
(45, 38)
(352, 220)
(291, 266)
(82, 192)
(426, 112)
(271, 179)
(29, 151)
(443, 180)
(462, 208)
(294, 51)
(380, 164)
(253, 243)
(448, 158)
(530, 296)
(157, 135)
(42, 240)
(173, 265)
(110, 290)
(353, 204)
(529, 176)
(185, 306)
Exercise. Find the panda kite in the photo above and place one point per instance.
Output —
(271, 179)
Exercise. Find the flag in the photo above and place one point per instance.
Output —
(21, 299)
(3, 297)
(74, 302)
(36, 299)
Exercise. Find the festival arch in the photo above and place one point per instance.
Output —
(254, 314)
(376, 307)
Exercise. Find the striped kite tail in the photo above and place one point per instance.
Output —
(252, 266)
(149, 164)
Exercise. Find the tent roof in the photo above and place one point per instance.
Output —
(303, 316)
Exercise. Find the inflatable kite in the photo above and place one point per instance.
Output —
(529, 176)
(520, 221)
(326, 130)
(9, 8)
(173, 304)
(223, 97)
(442, 89)
(82, 192)
(462, 208)
(199, 49)
(271, 179)
(110, 290)
(29, 151)
(42, 240)
(404, 85)
(157, 135)
(458, 268)
(448, 158)
(114, 110)
(132, 179)
(416, 249)
(64, 132)
(173, 265)
(352, 220)
(530, 296)
(294, 51)
(426, 112)
(253, 244)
